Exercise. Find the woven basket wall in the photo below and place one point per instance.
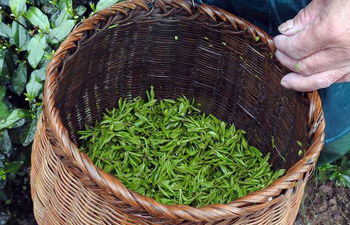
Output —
(179, 48)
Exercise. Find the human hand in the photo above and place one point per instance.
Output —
(315, 45)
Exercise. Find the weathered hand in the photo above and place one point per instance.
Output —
(316, 46)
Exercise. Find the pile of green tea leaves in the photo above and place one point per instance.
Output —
(171, 151)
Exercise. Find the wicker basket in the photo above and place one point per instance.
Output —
(180, 48)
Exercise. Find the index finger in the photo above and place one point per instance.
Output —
(307, 42)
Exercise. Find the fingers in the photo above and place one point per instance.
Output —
(345, 78)
(316, 81)
(315, 45)
(321, 61)
(303, 43)
(303, 18)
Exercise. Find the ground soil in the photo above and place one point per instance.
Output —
(324, 204)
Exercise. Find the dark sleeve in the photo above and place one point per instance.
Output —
(267, 14)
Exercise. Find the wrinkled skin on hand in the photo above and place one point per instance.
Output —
(315, 45)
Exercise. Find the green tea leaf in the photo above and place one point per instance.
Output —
(34, 86)
(19, 123)
(36, 49)
(64, 4)
(5, 142)
(37, 18)
(169, 150)
(2, 92)
(18, 7)
(12, 118)
(346, 180)
(300, 143)
(19, 79)
(300, 152)
(80, 10)
(7, 65)
(19, 33)
(28, 132)
(334, 175)
(39, 74)
(5, 31)
(63, 16)
(58, 34)
(13, 167)
(105, 3)
(298, 66)
(3, 111)
(2, 61)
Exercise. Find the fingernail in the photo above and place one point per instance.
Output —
(286, 26)
(284, 83)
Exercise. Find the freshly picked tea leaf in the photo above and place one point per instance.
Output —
(169, 150)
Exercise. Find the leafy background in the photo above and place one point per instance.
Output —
(30, 32)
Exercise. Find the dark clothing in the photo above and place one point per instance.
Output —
(268, 15)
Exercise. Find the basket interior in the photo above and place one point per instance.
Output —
(228, 72)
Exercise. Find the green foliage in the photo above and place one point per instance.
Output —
(30, 32)
(37, 18)
(105, 3)
(338, 171)
(170, 151)
(36, 49)
(5, 31)
(59, 33)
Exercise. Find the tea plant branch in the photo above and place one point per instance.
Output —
(2, 42)
(14, 19)
(20, 54)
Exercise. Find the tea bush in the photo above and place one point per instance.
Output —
(30, 32)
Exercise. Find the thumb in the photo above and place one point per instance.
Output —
(302, 19)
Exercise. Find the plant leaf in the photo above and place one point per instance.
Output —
(58, 34)
(34, 86)
(347, 180)
(105, 3)
(36, 49)
(19, 33)
(64, 16)
(2, 60)
(80, 10)
(7, 67)
(19, 79)
(2, 92)
(3, 111)
(18, 7)
(334, 175)
(5, 142)
(13, 167)
(39, 74)
(37, 18)
(28, 132)
(13, 117)
(19, 123)
(5, 30)
(64, 4)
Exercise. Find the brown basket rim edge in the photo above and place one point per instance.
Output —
(113, 186)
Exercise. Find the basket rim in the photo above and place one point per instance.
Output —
(112, 186)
